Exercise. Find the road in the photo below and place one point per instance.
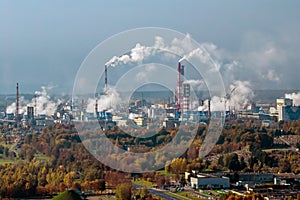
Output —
(162, 194)
(157, 192)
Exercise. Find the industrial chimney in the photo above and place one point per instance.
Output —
(17, 106)
(96, 109)
(209, 108)
(105, 79)
(179, 86)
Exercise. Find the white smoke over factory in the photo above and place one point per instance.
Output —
(12, 107)
(238, 98)
(240, 90)
(107, 101)
(137, 54)
(42, 103)
(140, 52)
(241, 95)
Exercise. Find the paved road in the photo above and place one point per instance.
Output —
(157, 192)
(162, 194)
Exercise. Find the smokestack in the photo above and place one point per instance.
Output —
(17, 106)
(35, 106)
(105, 79)
(96, 108)
(209, 108)
(182, 70)
(179, 83)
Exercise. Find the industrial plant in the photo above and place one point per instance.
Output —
(142, 112)
(24, 118)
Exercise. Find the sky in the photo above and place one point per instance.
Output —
(43, 42)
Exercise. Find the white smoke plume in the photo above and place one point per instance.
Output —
(12, 107)
(238, 98)
(295, 97)
(44, 104)
(240, 95)
(140, 52)
(259, 58)
(105, 102)
(137, 54)
(223, 61)
(197, 52)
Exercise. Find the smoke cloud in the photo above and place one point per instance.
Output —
(44, 104)
(140, 52)
(256, 64)
(137, 54)
(12, 107)
(238, 98)
(241, 95)
(108, 101)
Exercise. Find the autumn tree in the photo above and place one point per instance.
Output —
(178, 165)
(124, 191)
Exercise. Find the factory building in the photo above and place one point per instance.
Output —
(186, 98)
(286, 110)
(289, 113)
(281, 102)
(30, 121)
(255, 178)
(207, 181)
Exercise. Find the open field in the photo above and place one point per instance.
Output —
(143, 183)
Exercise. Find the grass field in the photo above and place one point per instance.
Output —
(164, 173)
(143, 183)
(39, 156)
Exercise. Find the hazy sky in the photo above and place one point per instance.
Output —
(43, 42)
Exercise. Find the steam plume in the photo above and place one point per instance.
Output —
(105, 102)
(43, 102)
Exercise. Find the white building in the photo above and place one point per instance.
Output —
(205, 181)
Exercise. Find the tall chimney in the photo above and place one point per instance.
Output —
(105, 79)
(17, 106)
(35, 105)
(96, 108)
(209, 108)
(180, 72)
